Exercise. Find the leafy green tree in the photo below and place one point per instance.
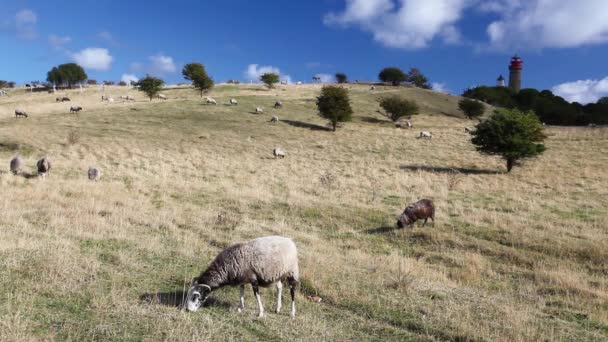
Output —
(417, 78)
(471, 108)
(3, 84)
(393, 75)
(334, 105)
(196, 73)
(341, 78)
(269, 79)
(396, 107)
(511, 134)
(67, 74)
(150, 85)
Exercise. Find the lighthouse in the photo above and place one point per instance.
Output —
(515, 73)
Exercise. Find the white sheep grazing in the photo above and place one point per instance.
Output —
(20, 112)
(261, 262)
(44, 166)
(94, 174)
(278, 153)
(234, 102)
(426, 134)
(16, 164)
(259, 110)
(274, 118)
(284, 82)
(161, 96)
(299, 83)
(211, 101)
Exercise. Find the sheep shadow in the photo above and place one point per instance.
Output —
(382, 230)
(449, 170)
(176, 299)
(301, 124)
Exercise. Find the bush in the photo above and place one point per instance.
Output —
(108, 83)
(395, 107)
(3, 84)
(150, 85)
(393, 75)
(92, 82)
(269, 79)
(196, 73)
(418, 79)
(341, 78)
(334, 105)
(511, 134)
(122, 83)
(471, 108)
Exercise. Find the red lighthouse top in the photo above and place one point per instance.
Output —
(516, 63)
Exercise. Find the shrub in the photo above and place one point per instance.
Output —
(341, 78)
(92, 82)
(511, 134)
(396, 107)
(471, 108)
(393, 75)
(269, 79)
(150, 85)
(196, 73)
(417, 78)
(334, 105)
(3, 84)
(122, 83)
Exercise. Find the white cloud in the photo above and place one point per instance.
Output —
(583, 91)
(127, 78)
(408, 24)
(162, 64)
(326, 78)
(94, 59)
(59, 42)
(25, 24)
(106, 37)
(254, 71)
(440, 87)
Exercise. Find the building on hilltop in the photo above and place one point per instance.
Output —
(515, 69)
(500, 82)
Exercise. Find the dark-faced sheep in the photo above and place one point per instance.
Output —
(234, 102)
(421, 210)
(426, 135)
(278, 105)
(44, 166)
(261, 262)
(16, 164)
(75, 109)
(259, 110)
(20, 112)
(211, 101)
(94, 174)
(278, 153)
(274, 118)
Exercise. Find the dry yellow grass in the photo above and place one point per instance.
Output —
(513, 257)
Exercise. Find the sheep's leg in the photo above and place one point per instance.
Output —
(424, 223)
(256, 292)
(242, 299)
(292, 291)
(279, 295)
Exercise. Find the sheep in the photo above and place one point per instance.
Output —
(259, 110)
(278, 153)
(106, 98)
(406, 124)
(3, 93)
(372, 88)
(94, 174)
(161, 96)
(75, 109)
(278, 104)
(260, 262)
(44, 166)
(274, 118)
(211, 101)
(423, 209)
(468, 130)
(284, 82)
(62, 99)
(426, 134)
(20, 112)
(234, 102)
(16, 164)
(130, 98)
(299, 83)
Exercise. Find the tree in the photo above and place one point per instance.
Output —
(334, 105)
(418, 79)
(3, 84)
(471, 108)
(150, 85)
(122, 83)
(66, 74)
(12, 84)
(196, 73)
(92, 82)
(603, 101)
(396, 107)
(511, 134)
(341, 77)
(393, 75)
(269, 79)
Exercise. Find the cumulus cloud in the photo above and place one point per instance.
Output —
(440, 87)
(59, 42)
(25, 24)
(583, 91)
(408, 24)
(162, 64)
(94, 59)
(254, 71)
(127, 78)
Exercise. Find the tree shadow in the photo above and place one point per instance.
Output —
(176, 299)
(438, 169)
(28, 175)
(373, 120)
(382, 230)
(301, 124)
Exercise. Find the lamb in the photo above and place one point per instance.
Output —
(260, 262)
(278, 104)
(274, 118)
(426, 134)
(259, 110)
(16, 164)
(278, 153)
(211, 101)
(44, 166)
(234, 102)
(75, 109)
(20, 112)
(423, 209)
(94, 174)
(161, 96)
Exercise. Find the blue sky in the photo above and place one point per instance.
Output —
(456, 43)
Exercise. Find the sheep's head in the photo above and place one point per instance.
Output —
(197, 294)
(404, 219)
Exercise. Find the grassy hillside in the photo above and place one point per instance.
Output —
(513, 257)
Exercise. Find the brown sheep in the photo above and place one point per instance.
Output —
(421, 210)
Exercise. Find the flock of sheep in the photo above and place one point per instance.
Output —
(43, 167)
